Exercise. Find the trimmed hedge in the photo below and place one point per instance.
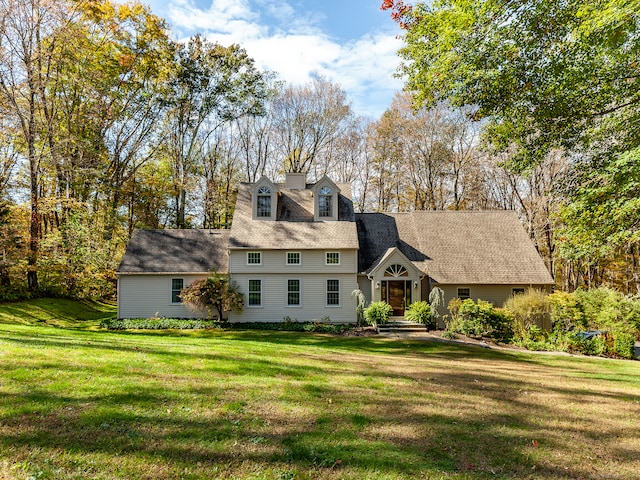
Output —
(192, 324)
(157, 324)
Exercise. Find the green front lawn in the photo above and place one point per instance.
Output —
(83, 403)
(56, 312)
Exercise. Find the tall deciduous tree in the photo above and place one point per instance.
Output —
(545, 73)
(212, 85)
(28, 53)
(137, 57)
(603, 220)
(307, 119)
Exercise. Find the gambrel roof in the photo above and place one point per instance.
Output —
(455, 247)
(294, 227)
(176, 251)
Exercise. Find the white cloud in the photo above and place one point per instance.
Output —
(290, 43)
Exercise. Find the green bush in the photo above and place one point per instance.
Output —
(566, 311)
(530, 308)
(378, 313)
(624, 345)
(606, 309)
(479, 319)
(157, 324)
(188, 324)
(420, 312)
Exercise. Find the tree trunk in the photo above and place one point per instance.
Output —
(34, 224)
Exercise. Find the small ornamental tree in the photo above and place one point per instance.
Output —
(214, 292)
(361, 301)
(436, 300)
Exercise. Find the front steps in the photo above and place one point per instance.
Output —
(398, 325)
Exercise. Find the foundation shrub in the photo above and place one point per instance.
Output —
(378, 313)
(420, 312)
(479, 319)
(530, 308)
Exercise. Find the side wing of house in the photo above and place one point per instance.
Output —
(468, 254)
(158, 264)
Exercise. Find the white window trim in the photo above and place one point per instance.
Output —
(299, 305)
(249, 292)
(326, 192)
(251, 263)
(171, 290)
(269, 211)
(286, 259)
(326, 258)
(463, 288)
(326, 293)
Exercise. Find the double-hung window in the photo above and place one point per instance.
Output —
(255, 293)
(254, 258)
(333, 293)
(177, 284)
(264, 202)
(464, 293)
(325, 202)
(293, 258)
(293, 293)
(332, 258)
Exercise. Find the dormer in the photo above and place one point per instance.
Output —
(264, 200)
(325, 200)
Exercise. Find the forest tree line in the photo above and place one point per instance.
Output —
(109, 125)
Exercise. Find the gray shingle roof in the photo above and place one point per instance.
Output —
(294, 227)
(176, 251)
(455, 247)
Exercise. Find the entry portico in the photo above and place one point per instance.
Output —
(395, 280)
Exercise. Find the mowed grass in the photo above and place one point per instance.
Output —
(57, 312)
(81, 403)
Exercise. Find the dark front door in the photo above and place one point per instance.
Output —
(397, 295)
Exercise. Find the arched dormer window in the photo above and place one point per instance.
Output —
(325, 202)
(264, 203)
(396, 270)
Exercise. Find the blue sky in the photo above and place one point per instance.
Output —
(350, 42)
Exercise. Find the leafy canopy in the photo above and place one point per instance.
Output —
(544, 73)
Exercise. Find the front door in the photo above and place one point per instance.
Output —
(397, 294)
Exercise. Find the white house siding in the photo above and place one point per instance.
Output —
(312, 261)
(494, 294)
(313, 297)
(364, 284)
(144, 296)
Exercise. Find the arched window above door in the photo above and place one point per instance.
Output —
(396, 270)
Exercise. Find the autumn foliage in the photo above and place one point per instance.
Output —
(399, 11)
(214, 292)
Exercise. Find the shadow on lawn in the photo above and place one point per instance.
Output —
(411, 422)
